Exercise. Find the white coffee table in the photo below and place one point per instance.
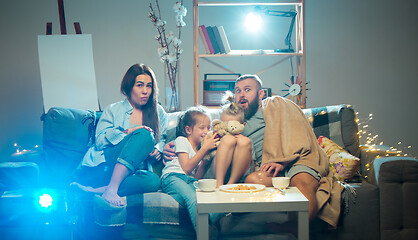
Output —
(268, 200)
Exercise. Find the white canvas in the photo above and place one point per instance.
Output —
(67, 71)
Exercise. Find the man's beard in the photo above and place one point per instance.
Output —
(252, 108)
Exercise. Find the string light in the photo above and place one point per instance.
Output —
(20, 150)
(369, 141)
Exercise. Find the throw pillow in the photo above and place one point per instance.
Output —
(342, 163)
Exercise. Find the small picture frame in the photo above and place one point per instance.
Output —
(267, 92)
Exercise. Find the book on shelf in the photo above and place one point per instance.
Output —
(202, 37)
(206, 39)
(213, 39)
(224, 39)
(218, 39)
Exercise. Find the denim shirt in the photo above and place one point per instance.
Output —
(109, 132)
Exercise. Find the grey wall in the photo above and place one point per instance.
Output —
(358, 52)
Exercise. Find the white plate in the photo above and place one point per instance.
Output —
(229, 188)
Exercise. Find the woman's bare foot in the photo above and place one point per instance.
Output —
(113, 198)
(87, 188)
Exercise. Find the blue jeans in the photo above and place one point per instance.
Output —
(131, 152)
(134, 149)
(180, 187)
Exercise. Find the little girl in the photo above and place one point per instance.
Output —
(233, 156)
(177, 179)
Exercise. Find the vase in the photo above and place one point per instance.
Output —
(171, 99)
(171, 94)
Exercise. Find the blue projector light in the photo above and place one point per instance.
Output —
(45, 200)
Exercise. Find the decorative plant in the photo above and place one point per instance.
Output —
(169, 45)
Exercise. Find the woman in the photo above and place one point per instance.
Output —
(125, 141)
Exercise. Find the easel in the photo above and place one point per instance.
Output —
(67, 67)
(63, 26)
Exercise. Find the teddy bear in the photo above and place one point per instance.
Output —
(232, 127)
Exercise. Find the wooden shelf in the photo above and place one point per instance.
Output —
(242, 53)
(299, 46)
(243, 3)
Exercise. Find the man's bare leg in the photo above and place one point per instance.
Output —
(259, 177)
(308, 186)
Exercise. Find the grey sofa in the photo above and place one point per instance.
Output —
(383, 204)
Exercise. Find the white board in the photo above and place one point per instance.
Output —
(67, 71)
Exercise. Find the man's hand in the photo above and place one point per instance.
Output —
(272, 168)
(169, 152)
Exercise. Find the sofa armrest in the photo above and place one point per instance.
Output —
(368, 155)
(397, 179)
(15, 175)
(35, 156)
(21, 170)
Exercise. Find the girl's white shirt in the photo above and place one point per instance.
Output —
(181, 145)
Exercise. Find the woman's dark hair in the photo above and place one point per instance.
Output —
(188, 118)
(149, 110)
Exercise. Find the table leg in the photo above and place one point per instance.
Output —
(202, 226)
(303, 225)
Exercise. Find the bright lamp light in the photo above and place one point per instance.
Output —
(253, 21)
(45, 200)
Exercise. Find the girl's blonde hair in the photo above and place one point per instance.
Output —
(232, 108)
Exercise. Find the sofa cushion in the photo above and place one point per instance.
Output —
(342, 163)
(398, 188)
(147, 208)
(67, 134)
(173, 118)
(337, 123)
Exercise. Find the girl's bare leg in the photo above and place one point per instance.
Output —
(120, 172)
(223, 158)
(241, 159)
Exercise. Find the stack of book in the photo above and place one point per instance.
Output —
(214, 39)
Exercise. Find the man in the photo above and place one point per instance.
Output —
(288, 148)
(249, 94)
